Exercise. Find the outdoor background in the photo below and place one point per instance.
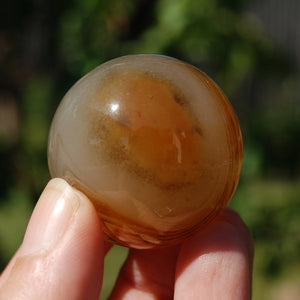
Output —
(250, 48)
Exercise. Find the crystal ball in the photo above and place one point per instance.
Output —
(153, 142)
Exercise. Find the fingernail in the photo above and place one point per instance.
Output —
(51, 217)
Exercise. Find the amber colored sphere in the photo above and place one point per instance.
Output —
(153, 142)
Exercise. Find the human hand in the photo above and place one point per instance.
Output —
(62, 255)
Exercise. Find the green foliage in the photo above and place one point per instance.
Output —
(113, 262)
(253, 162)
(271, 209)
(14, 215)
(277, 132)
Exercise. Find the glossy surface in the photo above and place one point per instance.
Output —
(153, 142)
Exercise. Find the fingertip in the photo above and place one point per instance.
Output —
(216, 263)
(59, 259)
(227, 232)
(232, 217)
(80, 257)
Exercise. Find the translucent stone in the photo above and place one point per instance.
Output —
(155, 145)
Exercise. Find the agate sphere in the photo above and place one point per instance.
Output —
(153, 142)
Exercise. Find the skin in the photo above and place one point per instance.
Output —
(63, 250)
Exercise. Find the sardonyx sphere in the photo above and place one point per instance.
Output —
(155, 145)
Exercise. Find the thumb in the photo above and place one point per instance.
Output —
(62, 253)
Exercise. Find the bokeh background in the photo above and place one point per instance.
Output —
(250, 48)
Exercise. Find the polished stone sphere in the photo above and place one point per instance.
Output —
(153, 142)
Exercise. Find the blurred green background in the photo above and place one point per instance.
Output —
(250, 48)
